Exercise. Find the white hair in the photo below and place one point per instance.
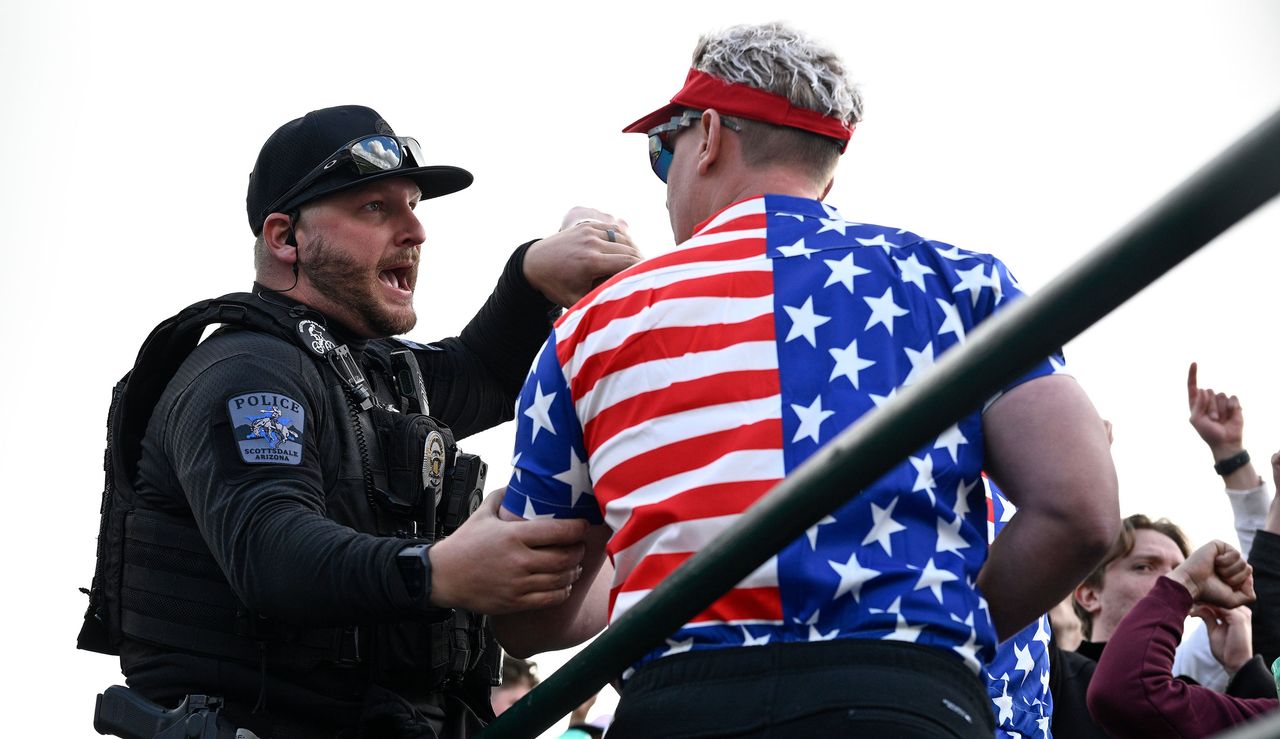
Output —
(779, 59)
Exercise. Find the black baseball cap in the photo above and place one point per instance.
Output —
(300, 150)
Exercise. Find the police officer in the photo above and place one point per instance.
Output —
(270, 558)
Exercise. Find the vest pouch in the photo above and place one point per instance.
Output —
(412, 653)
(418, 452)
(174, 595)
(173, 592)
(100, 631)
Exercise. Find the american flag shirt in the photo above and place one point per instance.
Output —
(681, 390)
(1018, 674)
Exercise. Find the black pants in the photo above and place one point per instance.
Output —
(845, 687)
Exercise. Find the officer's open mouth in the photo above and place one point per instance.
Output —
(397, 278)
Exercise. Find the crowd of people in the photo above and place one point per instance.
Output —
(290, 526)
(1151, 682)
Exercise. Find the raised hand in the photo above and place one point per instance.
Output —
(1218, 418)
(591, 247)
(1216, 574)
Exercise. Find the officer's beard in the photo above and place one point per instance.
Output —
(350, 286)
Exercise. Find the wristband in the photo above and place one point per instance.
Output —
(1231, 464)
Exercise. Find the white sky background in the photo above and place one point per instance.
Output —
(1032, 131)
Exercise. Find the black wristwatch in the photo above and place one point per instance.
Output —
(415, 568)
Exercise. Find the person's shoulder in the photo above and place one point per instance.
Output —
(232, 351)
(232, 341)
(943, 251)
(901, 243)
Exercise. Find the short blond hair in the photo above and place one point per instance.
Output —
(779, 59)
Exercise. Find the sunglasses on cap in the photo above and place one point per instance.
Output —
(367, 155)
(660, 151)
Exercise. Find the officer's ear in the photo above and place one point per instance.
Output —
(278, 234)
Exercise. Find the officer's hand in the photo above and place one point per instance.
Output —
(566, 266)
(494, 566)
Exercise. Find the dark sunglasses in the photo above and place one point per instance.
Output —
(660, 151)
(367, 154)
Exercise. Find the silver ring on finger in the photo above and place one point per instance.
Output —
(611, 236)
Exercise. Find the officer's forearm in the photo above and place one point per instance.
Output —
(293, 564)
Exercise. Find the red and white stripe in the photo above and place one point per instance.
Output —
(683, 423)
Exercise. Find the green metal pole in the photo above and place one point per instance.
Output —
(1226, 190)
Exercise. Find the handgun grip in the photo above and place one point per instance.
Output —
(122, 712)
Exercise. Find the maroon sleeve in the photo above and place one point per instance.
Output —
(1133, 693)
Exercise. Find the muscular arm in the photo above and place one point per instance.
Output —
(1048, 451)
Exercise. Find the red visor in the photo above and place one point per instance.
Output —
(702, 91)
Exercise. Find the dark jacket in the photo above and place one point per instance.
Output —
(1133, 693)
(1265, 558)
(1069, 677)
(1071, 674)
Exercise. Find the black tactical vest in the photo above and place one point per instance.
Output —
(155, 580)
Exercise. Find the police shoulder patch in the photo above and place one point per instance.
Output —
(268, 427)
